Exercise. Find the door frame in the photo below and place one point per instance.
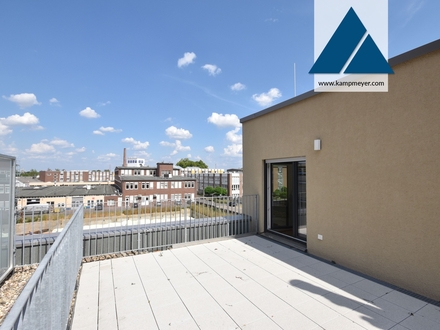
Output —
(268, 193)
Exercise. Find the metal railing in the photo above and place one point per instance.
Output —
(148, 226)
(46, 299)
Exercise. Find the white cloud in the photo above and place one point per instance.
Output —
(238, 87)
(61, 143)
(212, 69)
(41, 148)
(267, 98)
(37, 128)
(54, 101)
(106, 130)
(110, 129)
(178, 133)
(209, 149)
(7, 149)
(226, 120)
(4, 130)
(82, 149)
(178, 147)
(187, 59)
(143, 154)
(26, 119)
(89, 113)
(103, 104)
(234, 150)
(166, 144)
(107, 157)
(233, 136)
(137, 145)
(24, 100)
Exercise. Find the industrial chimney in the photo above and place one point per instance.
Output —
(125, 158)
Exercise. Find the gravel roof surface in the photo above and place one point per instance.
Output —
(11, 288)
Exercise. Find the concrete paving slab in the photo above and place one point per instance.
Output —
(369, 319)
(341, 322)
(211, 316)
(294, 320)
(403, 300)
(107, 307)
(239, 284)
(372, 287)
(389, 310)
(430, 312)
(132, 305)
(416, 322)
(86, 311)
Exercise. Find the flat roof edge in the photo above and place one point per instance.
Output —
(293, 100)
(416, 52)
(404, 57)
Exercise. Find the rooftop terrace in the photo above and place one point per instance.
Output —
(245, 283)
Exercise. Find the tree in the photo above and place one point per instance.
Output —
(220, 191)
(200, 164)
(209, 191)
(32, 172)
(185, 162)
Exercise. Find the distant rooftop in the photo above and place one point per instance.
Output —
(59, 191)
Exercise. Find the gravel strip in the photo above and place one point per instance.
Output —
(11, 288)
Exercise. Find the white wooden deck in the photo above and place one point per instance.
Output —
(248, 283)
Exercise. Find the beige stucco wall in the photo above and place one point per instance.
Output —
(373, 191)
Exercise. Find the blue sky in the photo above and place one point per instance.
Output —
(81, 80)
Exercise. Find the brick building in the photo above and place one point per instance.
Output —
(144, 184)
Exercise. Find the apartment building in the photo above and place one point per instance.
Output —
(197, 170)
(142, 185)
(231, 180)
(76, 176)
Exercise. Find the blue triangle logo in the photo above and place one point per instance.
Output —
(369, 59)
(341, 46)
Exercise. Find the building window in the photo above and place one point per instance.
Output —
(189, 184)
(147, 185)
(164, 185)
(131, 185)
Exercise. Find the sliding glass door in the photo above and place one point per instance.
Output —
(286, 198)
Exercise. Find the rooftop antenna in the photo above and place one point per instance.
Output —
(294, 79)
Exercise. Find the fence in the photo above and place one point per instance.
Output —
(46, 299)
(157, 225)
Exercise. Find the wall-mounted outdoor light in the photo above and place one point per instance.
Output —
(317, 144)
